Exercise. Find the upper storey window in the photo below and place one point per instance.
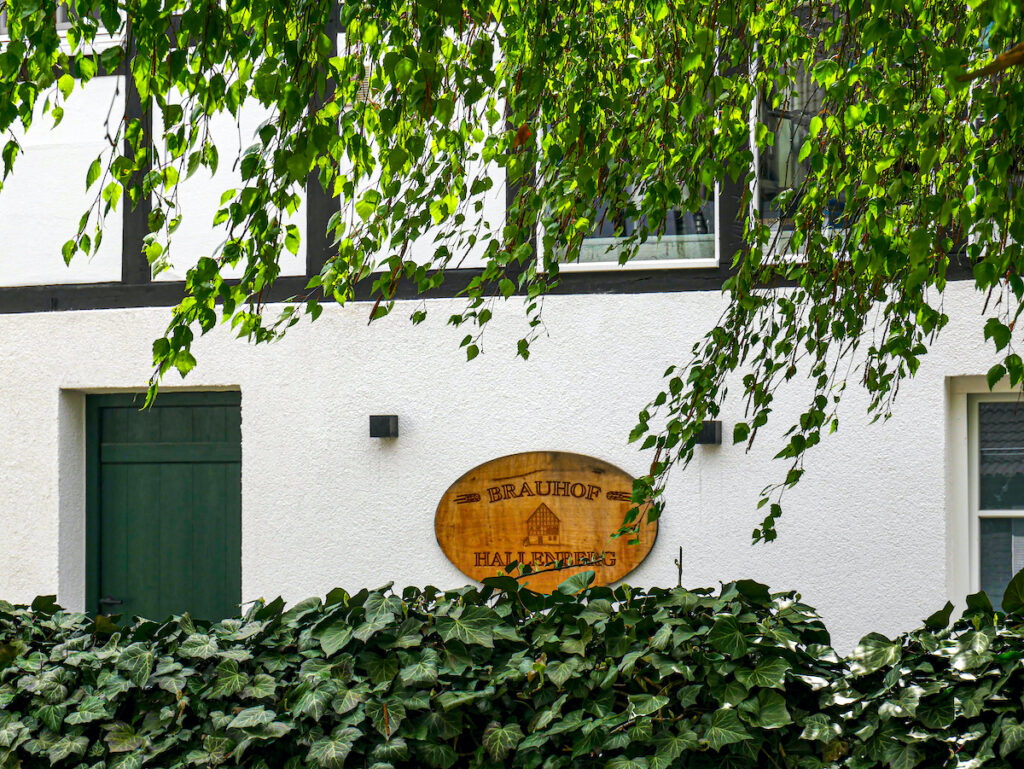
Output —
(682, 239)
(63, 18)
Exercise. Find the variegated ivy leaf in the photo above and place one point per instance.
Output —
(334, 636)
(260, 686)
(436, 755)
(473, 626)
(229, 680)
(137, 662)
(199, 646)
(423, 671)
(67, 746)
(769, 672)
(121, 737)
(501, 739)
(330, 752)
(386, 715)
(51, 715)
(251, 717)
(314, 701)
(92, 708)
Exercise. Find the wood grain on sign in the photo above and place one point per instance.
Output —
(538, 508)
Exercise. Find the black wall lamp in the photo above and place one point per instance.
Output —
(710, 433)
(383, 425)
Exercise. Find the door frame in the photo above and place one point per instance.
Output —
(93, 404)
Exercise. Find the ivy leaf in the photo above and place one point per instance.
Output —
(330, 752)
(199, 646)
(939, 619)
(314, 702)
(437, 756)
(645, 704)
(92, 708)
(902, 755)
(725, 729)
(122, 738)
(229, 680)
(1012, 737)
(251, 717)
(623, 762)
(386, 716)
(1013, 597)
(727, 637)
(137, 661)
(421, 672)
(577, 582)
(936, 711)
(766, 710)
(475, 626)
(500, 740)
(334, 637)
(874, 652)
(67, 746)
(769, 672)
(51, 715)
(260, 687)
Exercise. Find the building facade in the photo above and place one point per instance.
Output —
(256, 475)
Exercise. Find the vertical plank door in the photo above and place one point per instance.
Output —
(164, 492)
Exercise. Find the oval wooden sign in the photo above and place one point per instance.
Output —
(538, 508)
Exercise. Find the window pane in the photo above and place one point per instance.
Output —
(1002, 554)
(682, 235)
(1001, 456)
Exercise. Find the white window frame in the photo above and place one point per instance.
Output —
(963, 513)
(636, 263)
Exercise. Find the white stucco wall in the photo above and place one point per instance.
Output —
(863, 537)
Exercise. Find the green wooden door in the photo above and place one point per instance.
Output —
(165, 505)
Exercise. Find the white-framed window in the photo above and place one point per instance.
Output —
(995, 462)
(684, 240)
(63, 18)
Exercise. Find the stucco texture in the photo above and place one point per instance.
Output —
(863, 537)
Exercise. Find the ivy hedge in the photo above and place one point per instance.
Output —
(499, 676)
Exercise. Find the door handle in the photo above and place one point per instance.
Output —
(110, 601)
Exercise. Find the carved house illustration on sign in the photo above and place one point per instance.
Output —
(542, 527)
